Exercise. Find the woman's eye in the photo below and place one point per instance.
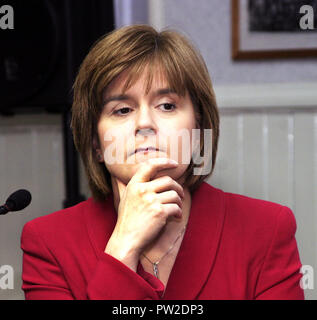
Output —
(126, 110)
(168, 106)
(122, 110)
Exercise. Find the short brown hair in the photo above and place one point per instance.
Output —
(132, 48)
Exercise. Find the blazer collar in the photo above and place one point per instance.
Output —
(197, 252)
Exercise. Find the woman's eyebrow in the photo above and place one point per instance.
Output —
(122, 97)
(118, 97)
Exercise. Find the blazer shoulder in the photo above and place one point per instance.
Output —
(258, 214)
(243, 205)
(53, 225)
(253, 206)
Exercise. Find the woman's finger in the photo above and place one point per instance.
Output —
(172, 209)
(149, 168)
(165, 183)
(170, 197)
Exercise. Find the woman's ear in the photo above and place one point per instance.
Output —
(97, 149)
(95, 142)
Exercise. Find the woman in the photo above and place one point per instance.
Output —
(153, 228)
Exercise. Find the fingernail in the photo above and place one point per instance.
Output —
(173, 161)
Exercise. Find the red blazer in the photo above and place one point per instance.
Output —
(234, 247)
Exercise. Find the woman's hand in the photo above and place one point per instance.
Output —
(143, 210)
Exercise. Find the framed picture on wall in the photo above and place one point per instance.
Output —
(274, 29)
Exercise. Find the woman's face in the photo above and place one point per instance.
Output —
(161, 119)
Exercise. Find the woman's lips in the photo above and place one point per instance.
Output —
(146, 150)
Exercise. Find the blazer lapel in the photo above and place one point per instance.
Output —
(198, 250)
(100, 219)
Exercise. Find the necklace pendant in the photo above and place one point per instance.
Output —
(155, 269)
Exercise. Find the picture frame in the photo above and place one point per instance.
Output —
(269, 44)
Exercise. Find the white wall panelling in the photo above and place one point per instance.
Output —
(272, 155)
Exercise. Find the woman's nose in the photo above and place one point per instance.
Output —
(144, 119)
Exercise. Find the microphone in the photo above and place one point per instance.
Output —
(18, 200)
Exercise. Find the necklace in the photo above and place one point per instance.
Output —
(155, 264)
